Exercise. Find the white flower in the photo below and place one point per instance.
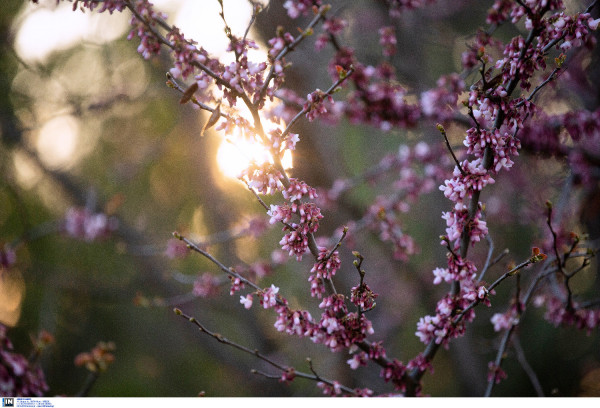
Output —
(593, 24)
(246, 301)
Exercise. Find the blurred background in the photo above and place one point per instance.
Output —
(87, 123)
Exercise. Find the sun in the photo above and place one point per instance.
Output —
(236, 153)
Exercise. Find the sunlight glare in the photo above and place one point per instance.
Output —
(45, 30)
(237, 14)
(57, 141)
(236, 153)
(26, 172)
(12, 292)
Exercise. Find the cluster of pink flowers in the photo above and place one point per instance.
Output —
(379, 100)
(490, 107)
(492, 142)
(17, 376)
(293, 322)
(83, 224)
(206, 285)
(296, 239)
(106, 5)
(545, 135)
(314, 105)
(149, 44)
(185, 54)
(442, 327)
(337, 328)
(281, 143)
(331, 390)
(439, 103)
(561, 314)
(296, 8)
(265, 179)
(176, 249)
(458, 221)
(504, 321)
(243, 75)
(325, 268)
(237, 284)
(278, 43)
(394, 372)
(387, 39)
(363, 297)
(495, 373)
(416, 170)
(308, 215)
(342, 332)
(331, 27)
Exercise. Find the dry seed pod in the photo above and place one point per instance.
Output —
(214, 118)
(189, 93)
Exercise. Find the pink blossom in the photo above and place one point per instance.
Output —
(332, 390)
(81, 223)
(504, 321)
(206, 285)
(295, 8)
(236, 285)
(176, 249)
(246, 300)
(387, 39)
(19, 376)
(495, 373)
(268, 297)
(357, 360)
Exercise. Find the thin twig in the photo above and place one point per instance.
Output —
(222, 339)
(522, 359)
(326, 93)
(443, 132)
(161, 39)
(191, 245)
(289, 48)
(499, 358)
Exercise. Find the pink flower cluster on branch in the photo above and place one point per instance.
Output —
(492, 142)
(499, 121)
(583, 318)
(83, 224)
(18, 377)
(442, 327)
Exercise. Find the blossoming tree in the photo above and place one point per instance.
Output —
(473, 139)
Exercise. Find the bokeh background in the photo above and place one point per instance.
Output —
(86, 122)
